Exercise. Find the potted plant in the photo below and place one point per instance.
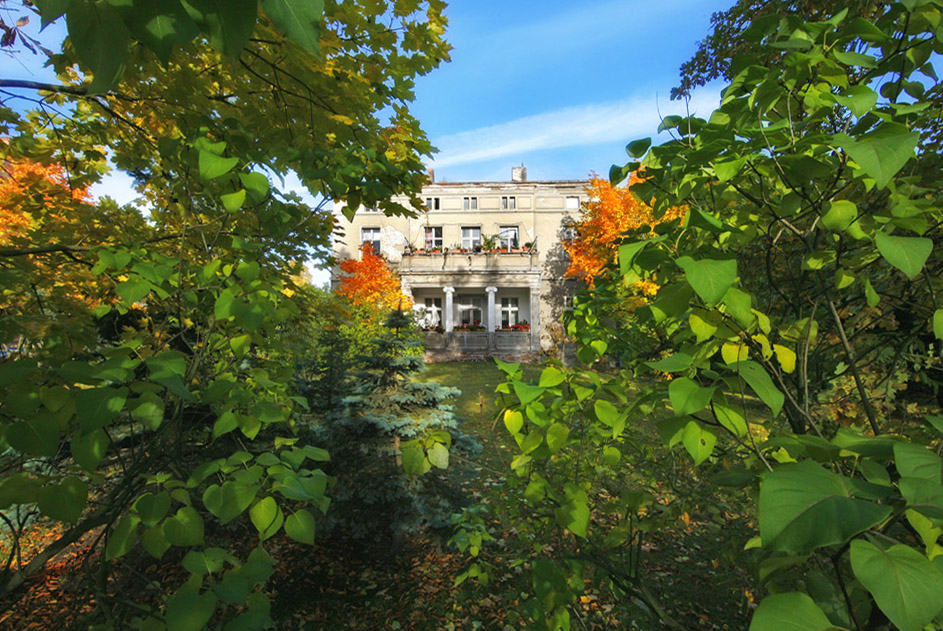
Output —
(489, 242)
(528, 246)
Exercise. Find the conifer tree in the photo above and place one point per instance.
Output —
(388, 437)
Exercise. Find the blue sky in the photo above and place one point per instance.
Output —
(558, 86)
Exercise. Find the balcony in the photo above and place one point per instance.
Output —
(480, 342)
(469, 261)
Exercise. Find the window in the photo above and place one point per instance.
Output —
(470, 309)
(432, 203)
(371, 236)
(509, 237)
(371, 209)
(509, 312)
(508, 203)
(433, 237)
(573, 203)
(471, 238)
(470, 203)
(433, 312)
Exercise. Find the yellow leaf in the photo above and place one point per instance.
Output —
(786, 357)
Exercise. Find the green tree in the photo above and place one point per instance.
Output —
(182, 418)
(388, 435)
(806, 276)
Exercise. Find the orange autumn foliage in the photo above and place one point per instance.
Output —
(609, 212)
(370, 282)
(25, 185)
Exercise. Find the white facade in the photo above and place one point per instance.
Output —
(482, 296)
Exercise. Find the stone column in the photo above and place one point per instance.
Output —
(492, 311)
(492, 318)
(535, 318)
(448, 309)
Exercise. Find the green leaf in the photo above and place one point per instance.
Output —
(38, 436)
(233, 201)
(97, 407)
(908, 254)
(761, 383)
(727, 170)
(915, 461)
(203, 562)
(574, 516)
(698, 442)
(89, 449)
(185, 528)
(870, 295)
(627, 254)
(256, 183)
(414, 460)
(938, 324)
(803, 507)
(213, 166)
(638, 148)
(149, 410)
(557, 435)
(190, 611)
(438, 456)
(229, 22)
(122, 539)
(513, 421)
(840, 215)
(526, 392)
(300, 527)
(152, 508)
(155, 542)
(710, 279)
(731, 417)
(703, 324)
(906, 586)
(158, 24)
(65, 500)
(133, 290)
(675, 363)
(101, 41)
(687, 397)
(550, 377)
(51, 10)
(267, 517)
(882, 152)
(792, 611)
(228, 501)
(860, 99)
(298, 20)
(607, 413)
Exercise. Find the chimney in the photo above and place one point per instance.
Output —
(519, 174)
(430, 175)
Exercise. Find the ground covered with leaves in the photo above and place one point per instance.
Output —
(411, 584)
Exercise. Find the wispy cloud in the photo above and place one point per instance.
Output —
(585, 125)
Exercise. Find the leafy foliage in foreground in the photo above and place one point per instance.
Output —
(152, 408)
(805, 277)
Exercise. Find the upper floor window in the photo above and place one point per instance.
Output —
(509, 237)
(508, 203)
(470, 203)
(371, 209)
(433, 237)
(371, 236)
(432, 203)
(471, 238)
(572, 202)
